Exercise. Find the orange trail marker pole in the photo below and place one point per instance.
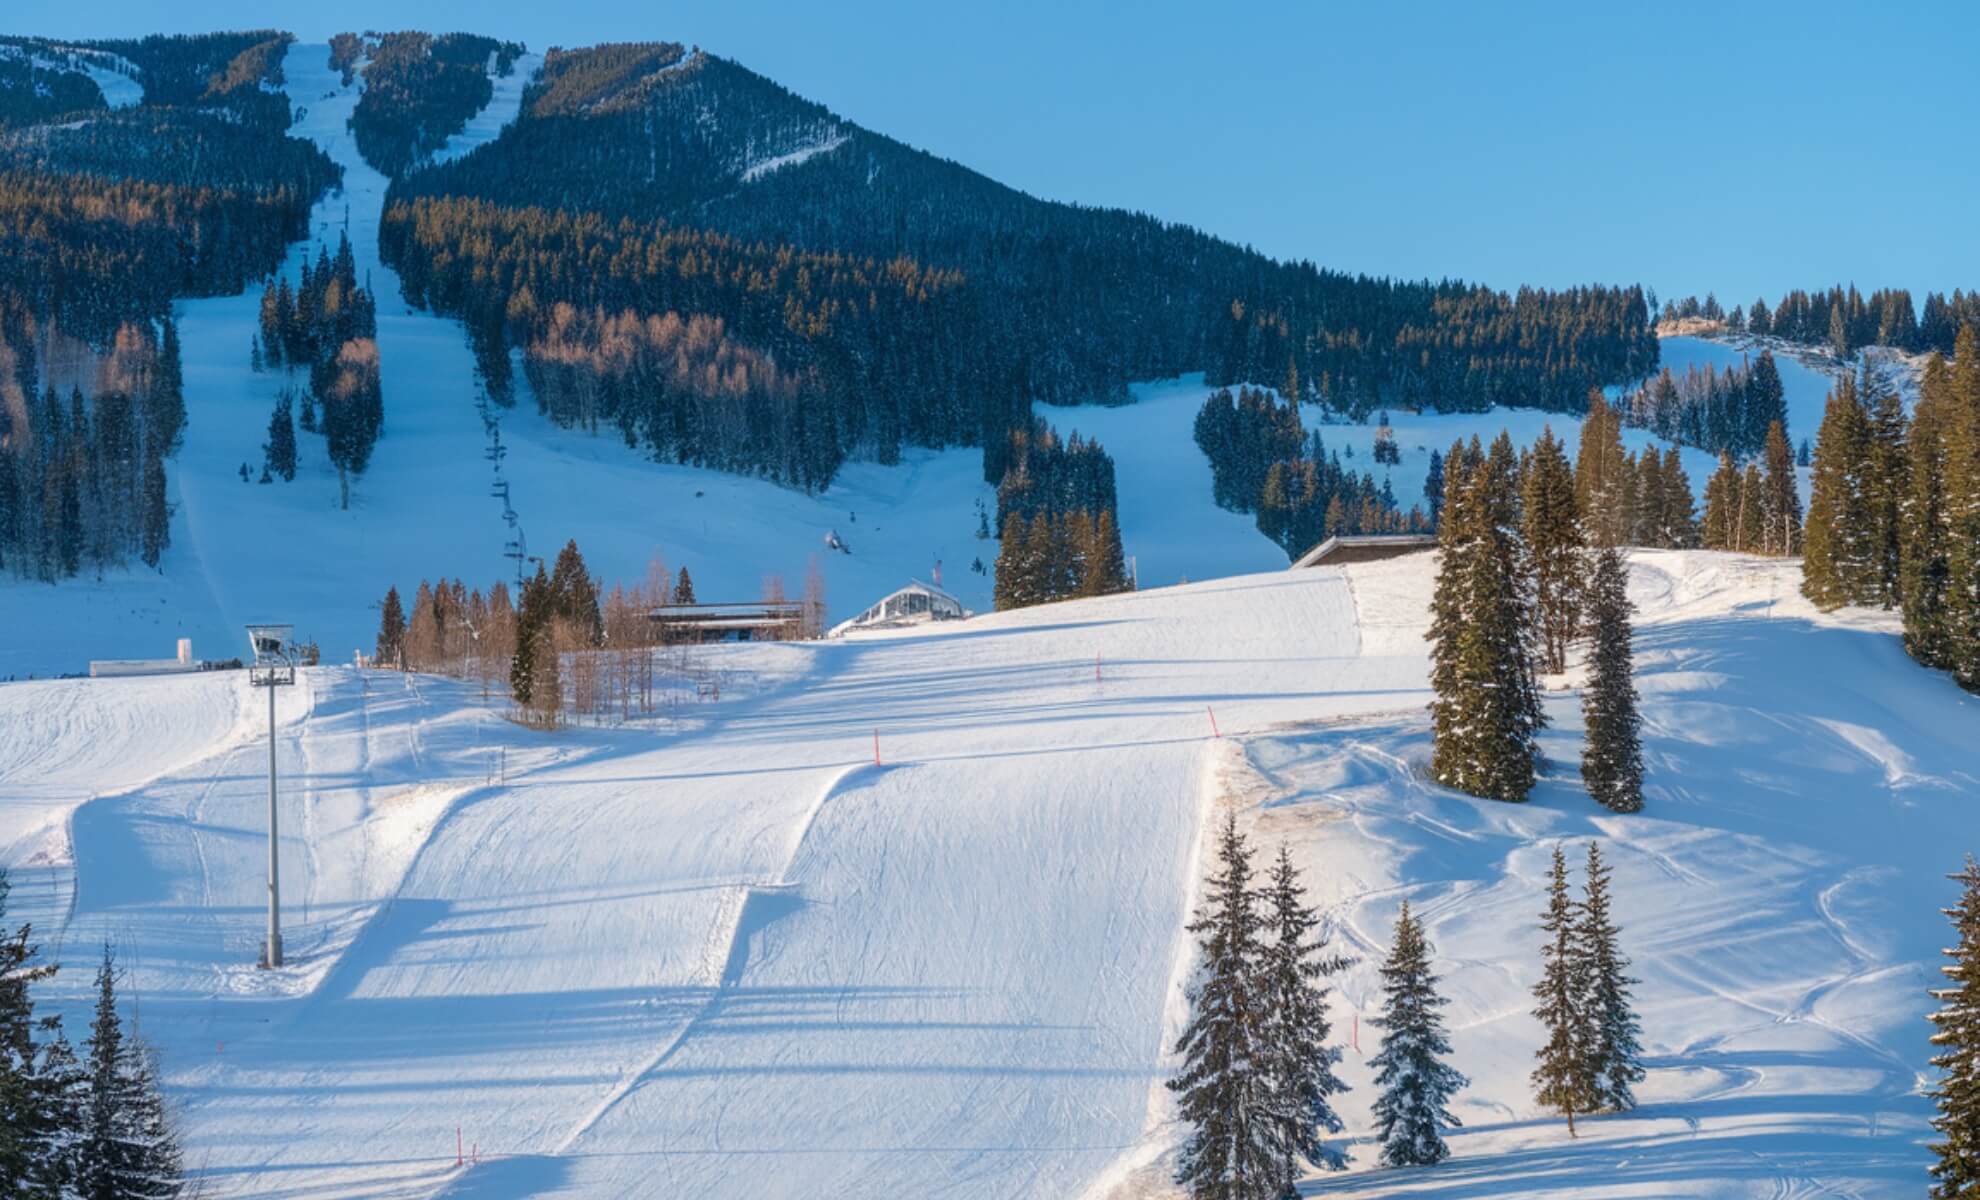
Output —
(459, 1158)
(876, 747)
(1213, 721)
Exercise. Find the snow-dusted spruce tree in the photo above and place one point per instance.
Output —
(1485, 714)
(32, 1134)
(1564, 1079)
(125, 1151)
(1298, 1058)
(1612, 751)
(1837, 565)
(1924, 574)
(1615, 1057)
(1417, 1084)
(1554, 542)
(1234, 1151)
(1956, 1173)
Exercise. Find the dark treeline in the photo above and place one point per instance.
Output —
(1263, 461)
(38, 84)
(833, 355)
(1449, 346)
(1894, 518)
(1058, 535)
(187, 68)
(104, 221)
(328, 325)
(82, 476)
(1842, 320)
(1726, 412)
(186, 147)
(1068, 304)
(419, 90)
(92, 254)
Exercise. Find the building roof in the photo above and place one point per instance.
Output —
(876, 613)
(1364, 547)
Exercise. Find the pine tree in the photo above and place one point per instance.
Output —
(1836, 560)
(1298, 1059)
(1612, 753)
(1677, 524)
(1016, 581)
(1601, 486)
(1750, 519)
(1416, 1083)
(1433, 486)
(1554, 545)
(1888, 484)
(532, 635)
(155, 523)
(683, 588)
(34, 1123)
(1925, 553)
(1956, 1038)
(1486, 710)
(1234, 1150)
(390, 650)
(1564, 1080)
(1721, 506)
(1962, 469)
(1780, 505)
(126, 1150)
(279, 453)
(1615, 1054)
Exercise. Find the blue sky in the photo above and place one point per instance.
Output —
(1745, 148)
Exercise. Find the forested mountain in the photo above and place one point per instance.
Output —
(419, 90)
(106, 217)
(1071, 303)
(40, 81)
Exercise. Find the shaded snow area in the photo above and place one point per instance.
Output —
(740, 958)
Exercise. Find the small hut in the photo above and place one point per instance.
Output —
(1368, 547)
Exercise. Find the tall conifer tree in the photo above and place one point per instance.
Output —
(1956, 1040)
(1564, 1081)
(1416, 1083)
(1293, 970)
(1554, 543)
(1615, 1065)
(1926, 572)
(1234, 1151)
(1612, 754)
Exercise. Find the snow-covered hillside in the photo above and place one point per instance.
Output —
(245, 551)
(734, 956)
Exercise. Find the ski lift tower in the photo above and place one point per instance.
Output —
(273, 666)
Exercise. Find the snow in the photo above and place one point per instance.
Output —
(488, 124)
(823, 142)
(735, 956)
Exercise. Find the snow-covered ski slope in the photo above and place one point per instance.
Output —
(737, 957)
(424, 508)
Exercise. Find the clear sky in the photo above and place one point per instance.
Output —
(1741, 147)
